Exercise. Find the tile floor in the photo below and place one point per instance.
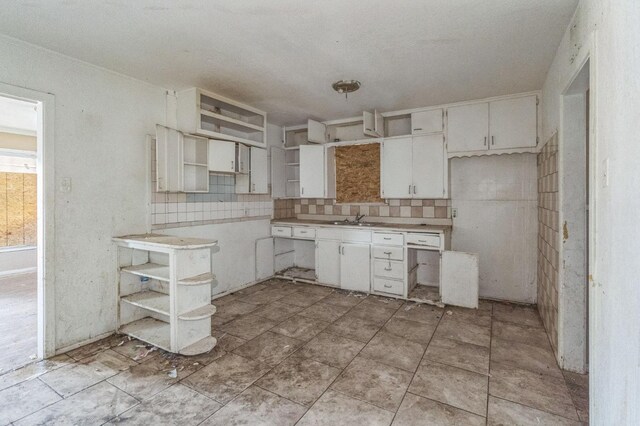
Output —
(309, 355)
(18, 320)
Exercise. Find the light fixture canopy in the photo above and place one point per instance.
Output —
(346, 86)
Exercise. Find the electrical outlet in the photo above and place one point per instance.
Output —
(454, 212)
(65, 184)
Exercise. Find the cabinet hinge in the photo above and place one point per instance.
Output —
(537, 140)
(537, 101)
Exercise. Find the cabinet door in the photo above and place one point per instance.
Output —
(513, 123)
(312, 171)
(372, 124)
(243, 158)
(169, 163)
(355, 267)
(278, 173)
(459, 279)
(316, 131)
(328, 262)
(428, 166)
(468, 127)
(222, 156)
(259, 184)
(427, 121)
(396, 179)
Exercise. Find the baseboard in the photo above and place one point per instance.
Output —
(83, 343)
(17, 271)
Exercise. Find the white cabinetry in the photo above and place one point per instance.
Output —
(496, 126)
(316, 131)
(222, 156)
(328, 256)
(255, 179)
(414, 167)
(317, 172)
(181, 162)
(211, 115)
(372, 124)
(429, 121)
(355, 267)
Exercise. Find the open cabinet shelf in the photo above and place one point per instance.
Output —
(164, 291)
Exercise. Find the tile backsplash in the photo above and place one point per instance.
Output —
(432, 209)
(220, 204)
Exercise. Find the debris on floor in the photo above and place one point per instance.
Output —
(173, 373)
(144, 354)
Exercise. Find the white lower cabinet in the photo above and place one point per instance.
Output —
(328, 255)
(355, 267)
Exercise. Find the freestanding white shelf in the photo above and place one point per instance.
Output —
(164, 291)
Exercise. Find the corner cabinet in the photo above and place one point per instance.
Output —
(414, 167)
(501, 126)
(164, 291)
(207, 114)
(181, 162)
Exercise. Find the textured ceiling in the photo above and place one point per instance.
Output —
(283, 55)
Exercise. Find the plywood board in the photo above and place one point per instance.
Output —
(358, 173)
(15, 219)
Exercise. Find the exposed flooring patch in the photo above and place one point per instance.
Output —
(294, 353)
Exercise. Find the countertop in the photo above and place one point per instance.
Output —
(166, 241)
(406, 227)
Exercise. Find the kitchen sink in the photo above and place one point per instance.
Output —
(351, 223)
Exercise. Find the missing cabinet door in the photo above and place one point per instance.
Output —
(358, 173)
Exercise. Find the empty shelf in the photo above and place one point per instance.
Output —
(151, 300)
(149, 330)
(199, 313)
(151, 270)
(200, 347)
(205, 278)
(232, 123)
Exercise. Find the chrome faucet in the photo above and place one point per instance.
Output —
(359, 217)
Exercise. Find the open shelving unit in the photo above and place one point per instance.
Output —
(211, 115)
(164, 291)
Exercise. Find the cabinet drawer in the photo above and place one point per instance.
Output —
(430, 240)
(329, 234)
(388, 286)
(388, 253)
(388, 269)
(281, 231)
(388, 238)
(304, 232)
(356, 236)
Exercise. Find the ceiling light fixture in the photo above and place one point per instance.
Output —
(346, 86)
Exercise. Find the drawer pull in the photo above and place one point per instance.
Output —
(387, 238)
(422, 241)
(303, 232)
(387, 269)
(388, 253)
(387, 286)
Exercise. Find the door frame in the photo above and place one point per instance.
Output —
(45, 106)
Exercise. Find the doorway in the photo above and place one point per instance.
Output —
(574, 201)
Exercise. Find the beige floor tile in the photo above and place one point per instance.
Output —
(257, 406)
(464, 331)
(453, 386)
(299, 379)
(337, 409)
(89, 371)
(331, 349)
(248, 327)
(410, 330)
(378, 384)
(268, 348)
(302, 298)
(325, 311)
(539, 359)
(96, 347)
(299, 327)
(546, 393)
(502, 412)
(517, 314)
(142, 381)
(227, 342)
(476, 316)
(277, 311)
(386, 302)
(235, 308)
(344, 298)
(23, 399)
(578, 385)
(459, 354)
(392, 350)
(167, 362)
(134, 349)
(534, 336)
(427, 314)
(95, 405)
(264, 297)
(372, 312)
(354, 328)
(418, 411)
(251, 289)
(175, 405)
(33, 370)
(226, 377)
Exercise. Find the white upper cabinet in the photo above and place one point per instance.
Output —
(513, 123)
(222, 156)
(259, 171)
(431, 121)
(243, 155)
(414, 167)
(506, 124)
(181, 162)
(316, 131)
(313, 173)
(372, 124)
(468, 127)
(429, 166)
(278, 173)
(397, 178)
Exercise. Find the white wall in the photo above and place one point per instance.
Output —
(101, 119)
(609, 33)
(15, 261)
(496, 199)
